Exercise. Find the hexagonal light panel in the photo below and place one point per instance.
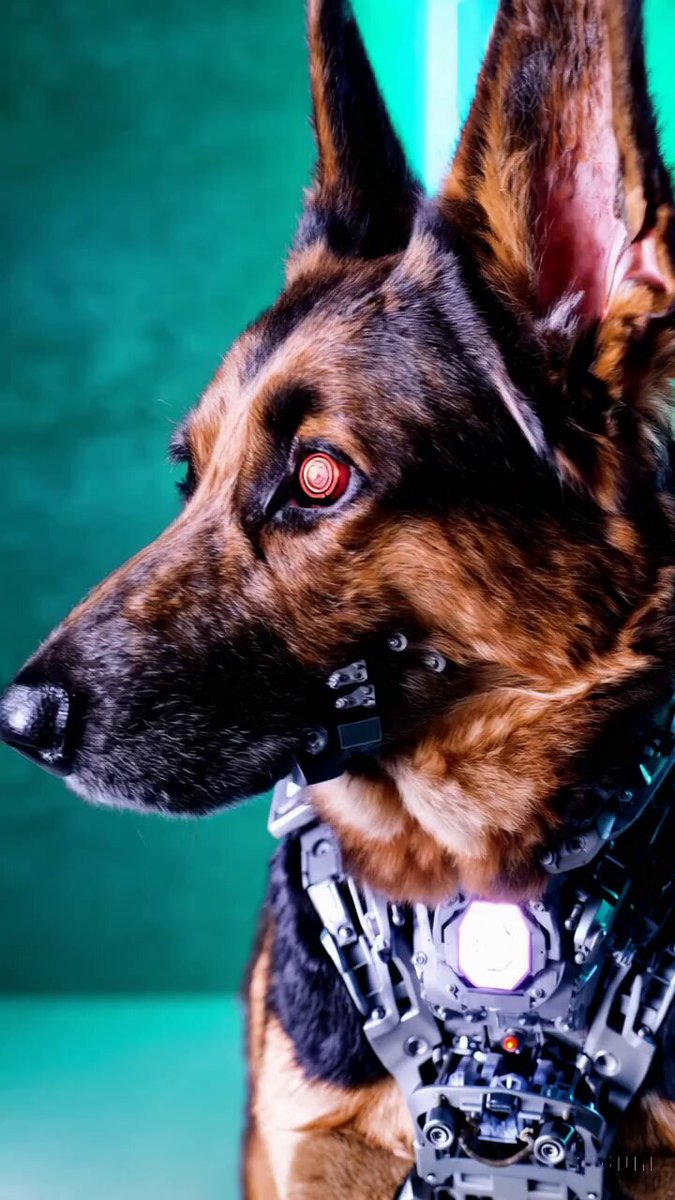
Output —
(493, 946)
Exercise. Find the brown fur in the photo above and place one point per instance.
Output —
(310, 1140)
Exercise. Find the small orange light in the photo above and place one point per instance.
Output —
(511, 1043)
(322, 477)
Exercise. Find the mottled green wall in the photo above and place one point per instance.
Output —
(157, 155)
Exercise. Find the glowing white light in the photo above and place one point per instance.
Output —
(493, 946)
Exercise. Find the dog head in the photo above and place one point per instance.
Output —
(454, 421)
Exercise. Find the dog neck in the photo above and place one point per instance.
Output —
(481, 796)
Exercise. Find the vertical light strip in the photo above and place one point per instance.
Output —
(441, 126)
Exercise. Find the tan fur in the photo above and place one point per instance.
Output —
(310, 1140)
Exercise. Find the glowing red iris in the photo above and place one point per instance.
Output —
(322, 477)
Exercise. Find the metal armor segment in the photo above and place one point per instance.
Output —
(517, 1033)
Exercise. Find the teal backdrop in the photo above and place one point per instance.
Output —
(155, 157)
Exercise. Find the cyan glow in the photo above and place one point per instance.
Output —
(493, 946)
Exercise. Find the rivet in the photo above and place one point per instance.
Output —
(316, 740)
(434, 661)
(414, 1047)
(397, 642)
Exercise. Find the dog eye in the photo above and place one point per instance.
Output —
(321, 480)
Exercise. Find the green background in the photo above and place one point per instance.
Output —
(156, 156)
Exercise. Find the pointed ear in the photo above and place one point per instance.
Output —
(558, 184)
(364, 195)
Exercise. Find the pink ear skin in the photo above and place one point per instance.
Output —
(638, 264)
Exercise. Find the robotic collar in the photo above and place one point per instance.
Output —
(518, 1033)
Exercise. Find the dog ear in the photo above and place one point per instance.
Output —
(364, 196)
(560, 191)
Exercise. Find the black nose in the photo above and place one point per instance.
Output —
(34, 720)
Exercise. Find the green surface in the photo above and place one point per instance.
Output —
(155, 157)
(131, 1100)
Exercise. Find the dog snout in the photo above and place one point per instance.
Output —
(36, 719)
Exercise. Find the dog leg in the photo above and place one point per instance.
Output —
(308, 1139)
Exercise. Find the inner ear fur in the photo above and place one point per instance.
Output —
(560, 192)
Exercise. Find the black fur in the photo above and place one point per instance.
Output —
(371, 210)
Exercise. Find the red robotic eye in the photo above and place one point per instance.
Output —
(322, 478)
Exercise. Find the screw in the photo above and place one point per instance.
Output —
(414, 1047)
(420, 959)
(345, 931)
(537, 993)
(606, 1063)
(434, 661)
(397, 642)
(316, 740)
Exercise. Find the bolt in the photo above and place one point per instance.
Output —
(430, 1178)
(397, 915)
(397, 642)
(316, 740)
(606, 1063)
(414, 1047)
(345, 931)
(434, 661)
(378, 1014)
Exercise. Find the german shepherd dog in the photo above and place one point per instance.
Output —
(455, 420)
